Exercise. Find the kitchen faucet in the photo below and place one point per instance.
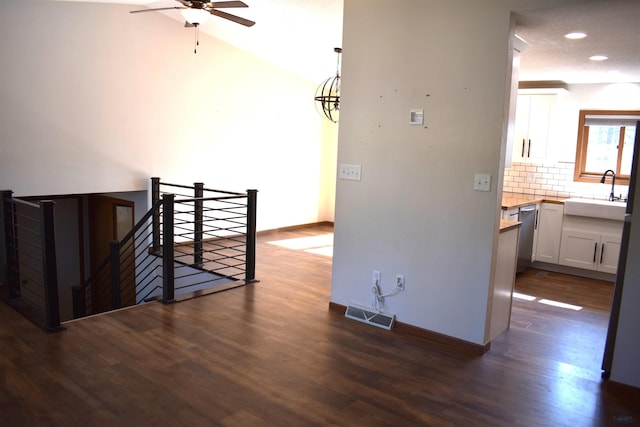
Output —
(612, 197)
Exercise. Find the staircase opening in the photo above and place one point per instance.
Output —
(191, 242)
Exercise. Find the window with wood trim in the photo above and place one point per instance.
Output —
(605, 141)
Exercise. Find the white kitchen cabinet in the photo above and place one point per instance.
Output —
(592, 250)
(510, 214)
(549, 232)
(533, 126)
(609, 253)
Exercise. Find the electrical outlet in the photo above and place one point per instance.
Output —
(400, 282)
(376, 278)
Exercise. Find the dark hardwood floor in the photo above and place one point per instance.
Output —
(272, 354)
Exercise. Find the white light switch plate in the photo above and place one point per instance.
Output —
(351, 172)
(482, 182)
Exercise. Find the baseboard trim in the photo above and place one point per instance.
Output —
(580, 272)
(455, 344)
(295, 227)
(623, 391)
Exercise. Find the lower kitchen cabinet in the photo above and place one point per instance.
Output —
(510, 214)
(501, 291)
(609, 252)
(590, 250)
(549, 231)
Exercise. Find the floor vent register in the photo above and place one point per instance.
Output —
(369, 316)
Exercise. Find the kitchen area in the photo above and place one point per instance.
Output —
(566, 222)
(570, 144)
(568, 235)
(567, 180)
(574, 236)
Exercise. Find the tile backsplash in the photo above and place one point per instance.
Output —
(554, 179)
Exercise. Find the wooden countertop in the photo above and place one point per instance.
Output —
(516, 200)
(506, 225)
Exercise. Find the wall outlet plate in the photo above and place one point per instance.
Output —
(351, 172)
(482, 182)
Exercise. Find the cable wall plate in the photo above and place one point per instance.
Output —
(416, 117)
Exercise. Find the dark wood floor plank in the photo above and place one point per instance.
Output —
(271, 354)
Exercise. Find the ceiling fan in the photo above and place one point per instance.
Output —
(196, 12)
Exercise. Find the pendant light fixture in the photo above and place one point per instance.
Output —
(328, 94)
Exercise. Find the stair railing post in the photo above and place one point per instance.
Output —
(198, 223)
(77, 299)
(250, 255)
(168, 268)
(114, 261)
(155, 221)
(9, 244)
(49, 266)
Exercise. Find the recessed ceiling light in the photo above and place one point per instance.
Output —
(575, 36)
(598, 58)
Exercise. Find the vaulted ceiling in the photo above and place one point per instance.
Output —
(297, 35)
(300, 35)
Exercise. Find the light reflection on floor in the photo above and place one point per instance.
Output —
(321, 244)
(547, 301)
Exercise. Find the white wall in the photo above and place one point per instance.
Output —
(415, 212)
(618, 96)
(94, 99)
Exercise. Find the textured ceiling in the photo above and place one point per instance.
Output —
(612, 28)
(300, 35)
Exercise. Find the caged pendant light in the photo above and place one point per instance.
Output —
(328, 94)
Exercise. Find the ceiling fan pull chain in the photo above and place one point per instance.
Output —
(196, 43)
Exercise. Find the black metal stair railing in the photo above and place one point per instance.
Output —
(127, 277)
(29, 254)
(214, 230)
(186, 244)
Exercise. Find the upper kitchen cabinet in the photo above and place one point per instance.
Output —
(533, 126)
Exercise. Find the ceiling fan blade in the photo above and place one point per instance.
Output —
(159, 8)
(225, 4)
(230, 17)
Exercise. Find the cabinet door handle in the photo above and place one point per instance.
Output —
(535, 225)
(522, 154)
(529, 149)
(601, 253)
(595, 250)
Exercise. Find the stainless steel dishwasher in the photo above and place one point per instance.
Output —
(527, 216)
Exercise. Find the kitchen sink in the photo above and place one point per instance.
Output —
(595, 208)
